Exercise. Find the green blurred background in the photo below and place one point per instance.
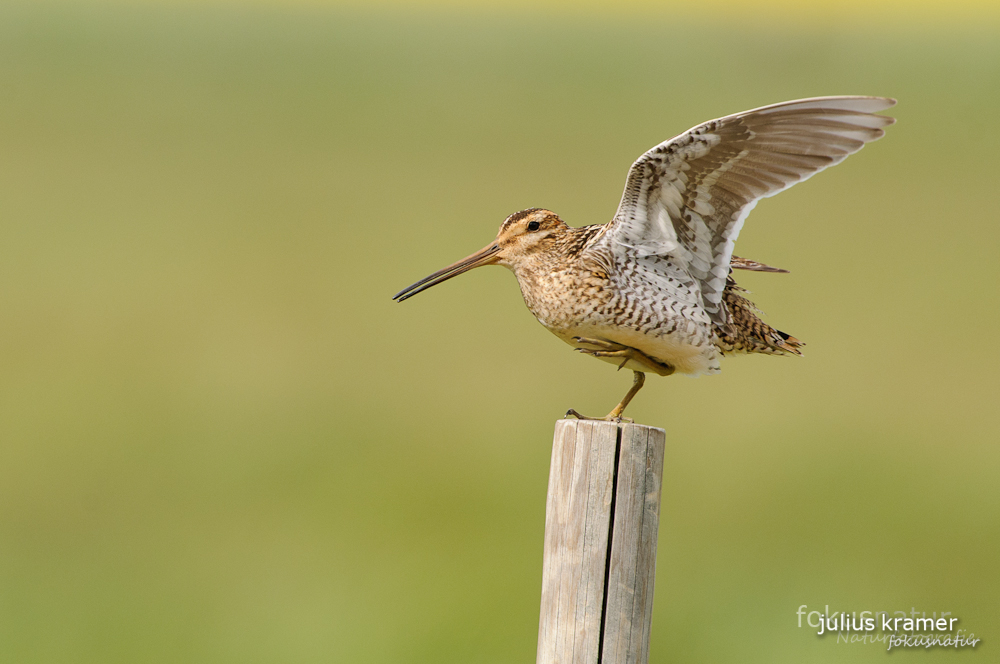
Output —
(221, 441)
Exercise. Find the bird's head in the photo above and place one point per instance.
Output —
(522, 235)
(527, 233)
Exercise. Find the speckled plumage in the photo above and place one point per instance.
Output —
(652, 290)
(646, 303)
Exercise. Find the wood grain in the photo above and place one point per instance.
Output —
(599, 561)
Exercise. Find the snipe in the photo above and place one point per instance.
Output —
(652, 289)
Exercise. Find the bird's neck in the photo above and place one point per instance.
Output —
(548, 278)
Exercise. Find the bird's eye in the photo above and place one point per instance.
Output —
(533, 226)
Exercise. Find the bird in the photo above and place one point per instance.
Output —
(653, 290)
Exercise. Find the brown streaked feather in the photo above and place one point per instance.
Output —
(687, 198)
(747, 264)
(746, 332)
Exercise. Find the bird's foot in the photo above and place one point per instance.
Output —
(611, 417)
(600, 343)
(612, 349)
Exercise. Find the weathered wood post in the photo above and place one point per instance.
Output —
(601, 519)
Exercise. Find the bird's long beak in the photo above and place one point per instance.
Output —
(484, 256)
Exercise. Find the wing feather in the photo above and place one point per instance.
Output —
(688, 197)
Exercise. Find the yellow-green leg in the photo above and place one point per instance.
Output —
(615, 415)
(612, 349)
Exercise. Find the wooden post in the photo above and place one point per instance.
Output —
(601, 519)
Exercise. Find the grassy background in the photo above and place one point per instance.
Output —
(220, 441)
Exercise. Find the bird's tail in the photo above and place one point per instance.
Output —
(745, 332)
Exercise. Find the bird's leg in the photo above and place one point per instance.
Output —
(600, 343)
(611, 349)
(616, 415)
(638, 379)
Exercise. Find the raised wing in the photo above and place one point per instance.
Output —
(688, 197)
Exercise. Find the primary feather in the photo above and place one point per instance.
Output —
(686, 199)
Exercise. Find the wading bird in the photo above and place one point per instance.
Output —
(652, 290)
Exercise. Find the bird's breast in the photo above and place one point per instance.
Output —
(655, 313)
(566, 298)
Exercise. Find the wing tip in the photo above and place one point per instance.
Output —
(855, 103)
